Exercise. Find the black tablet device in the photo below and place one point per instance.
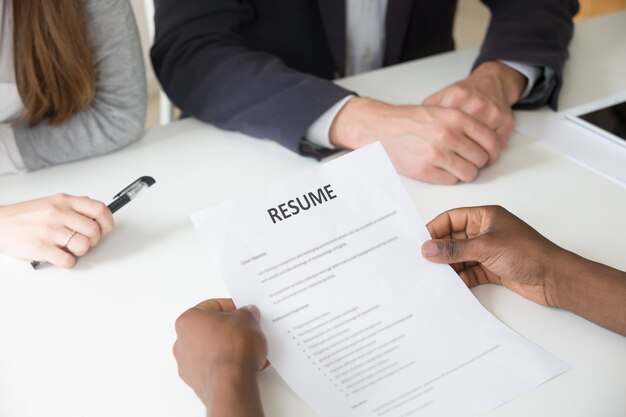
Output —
(609, 122)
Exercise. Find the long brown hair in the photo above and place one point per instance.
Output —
(54, 68)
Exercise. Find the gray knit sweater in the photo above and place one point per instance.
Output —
(116, 117)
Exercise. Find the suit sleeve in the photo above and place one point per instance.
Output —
(535, 32)
(207, 70)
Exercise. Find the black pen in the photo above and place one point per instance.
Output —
(120, 200)
(123, 197)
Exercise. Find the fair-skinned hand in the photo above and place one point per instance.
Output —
(487, 95)
(449, 138)
(432, 144)
(38, 229)
(490, 245)
(218, 343)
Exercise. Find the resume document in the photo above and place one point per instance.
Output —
(358, 323)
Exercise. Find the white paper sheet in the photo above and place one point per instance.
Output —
(358, 324)
(582, 145)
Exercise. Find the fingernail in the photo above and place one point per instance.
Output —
(254, 310)
(429, 249)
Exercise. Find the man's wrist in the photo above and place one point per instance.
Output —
(565, 282)
(591, 290)
(232, 390)
(349, 129)
(319, 131)
(226, 375)
(511, 81)
(553, 281)
(532, 73)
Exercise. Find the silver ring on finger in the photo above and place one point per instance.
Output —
(69, 237)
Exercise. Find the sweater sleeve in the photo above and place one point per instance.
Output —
(117, 114)
(10, 158)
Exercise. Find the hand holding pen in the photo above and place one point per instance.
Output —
(58, 229)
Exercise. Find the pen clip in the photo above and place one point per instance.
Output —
(145, 179)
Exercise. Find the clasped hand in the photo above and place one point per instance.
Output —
(450, 137)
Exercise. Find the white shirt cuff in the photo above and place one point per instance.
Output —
(319, 131)
(11, 161)
(531, 72)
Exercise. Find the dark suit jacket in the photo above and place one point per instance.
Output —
(263, 67)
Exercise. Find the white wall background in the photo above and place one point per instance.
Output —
(146, 41)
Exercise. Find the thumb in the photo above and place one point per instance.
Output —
(254, 310)
(450, 251)
(432, 100)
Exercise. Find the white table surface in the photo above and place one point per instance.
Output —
(96, 340)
